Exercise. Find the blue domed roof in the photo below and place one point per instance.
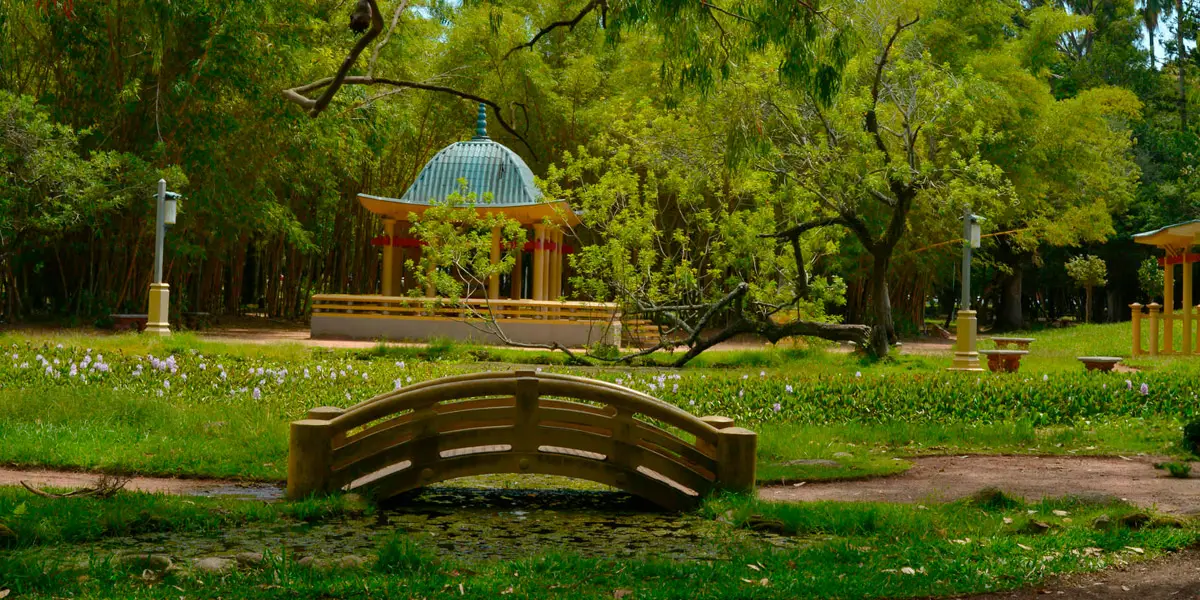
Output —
(487, 166)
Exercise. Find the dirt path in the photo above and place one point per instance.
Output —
(1172, 577)
(944, 478)
(184, 487)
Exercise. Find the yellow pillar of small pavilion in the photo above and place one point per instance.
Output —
(1168, 307)
(393, 260)
(539, 262)
(1187, 304)
(556, 266)
(518, 276)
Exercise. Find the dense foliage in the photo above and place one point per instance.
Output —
(688, 132)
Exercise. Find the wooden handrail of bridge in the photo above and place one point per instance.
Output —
(519, 422)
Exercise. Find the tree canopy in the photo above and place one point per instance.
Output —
(753, 167)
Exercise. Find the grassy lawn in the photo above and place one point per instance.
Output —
(188, 407)
(842, 550)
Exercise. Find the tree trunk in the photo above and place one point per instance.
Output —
(1181, 64)
(880, 303)
(1153, 64)
(1009, 314)
(1087, 310)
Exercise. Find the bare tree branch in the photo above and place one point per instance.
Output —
(386, 38)
(570, 25)
(316, 106)
(296, 95)
(872, 119)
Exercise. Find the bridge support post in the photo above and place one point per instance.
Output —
(329, 413)
(310, 458)
(736, 450)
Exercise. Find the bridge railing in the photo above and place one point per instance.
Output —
(519, 422)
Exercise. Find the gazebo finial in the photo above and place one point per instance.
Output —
(481, 123)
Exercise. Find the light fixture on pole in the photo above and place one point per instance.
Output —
(166, 211)
(966, 357)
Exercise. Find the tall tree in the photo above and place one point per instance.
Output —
(1181, 62)
(1152, 11)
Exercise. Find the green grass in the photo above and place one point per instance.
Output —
(194, 421)
(29, 521)
(848, 551)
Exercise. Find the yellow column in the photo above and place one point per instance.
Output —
(1168, 306)
(1135, 311)
(1153, 306)
(539, 262)
(556, 267)
(518, 275)
(388, 285)
(1187, 305)
(494, 280)
(966, 357)
(159, 309)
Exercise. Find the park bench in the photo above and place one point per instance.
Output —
(1020, 343)
(129, 322)
(1007, 361)
(1100, 363)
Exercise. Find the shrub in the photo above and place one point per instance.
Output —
(1191, 436)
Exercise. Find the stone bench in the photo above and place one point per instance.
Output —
(1100, 363)
(1020, 343)
(1007, 361)
(129, 322)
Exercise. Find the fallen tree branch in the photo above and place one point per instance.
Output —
(105, 487)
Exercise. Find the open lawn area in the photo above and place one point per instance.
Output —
(186, 407)
(182, 406)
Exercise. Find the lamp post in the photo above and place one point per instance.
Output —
(966, 357)
(160, 293)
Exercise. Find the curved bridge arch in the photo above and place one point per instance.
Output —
(519, 422)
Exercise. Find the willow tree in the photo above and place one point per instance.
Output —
(900, 140)
(672, 235)
(702, 43)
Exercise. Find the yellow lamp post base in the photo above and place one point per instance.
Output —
(966, 358)
(160, 301)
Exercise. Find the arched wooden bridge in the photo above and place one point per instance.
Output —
(519, 422)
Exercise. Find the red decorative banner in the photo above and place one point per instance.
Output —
(1177, 260)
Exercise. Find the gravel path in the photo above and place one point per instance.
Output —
(945, 478)
(40, 478)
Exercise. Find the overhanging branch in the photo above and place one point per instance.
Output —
(296, 95)
(570, 25)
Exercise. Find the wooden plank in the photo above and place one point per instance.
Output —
(424, 396)
(473, 301)
(564, 416)
(544, 463)
(388, 433)
(449, 319)
(668, 445)
(554, 384)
